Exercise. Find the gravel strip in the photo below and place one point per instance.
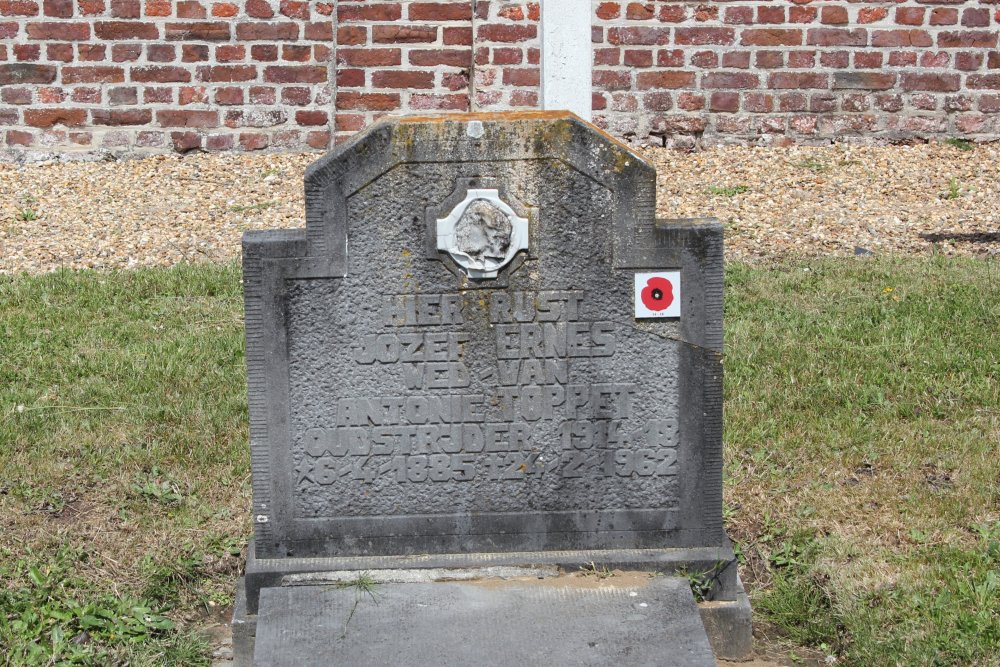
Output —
(774, 202)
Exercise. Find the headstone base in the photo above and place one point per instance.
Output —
(550, 621)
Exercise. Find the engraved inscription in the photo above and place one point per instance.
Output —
(519, 417)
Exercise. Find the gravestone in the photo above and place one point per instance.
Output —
(484, 358)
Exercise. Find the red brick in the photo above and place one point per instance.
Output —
(219, 142)
(837, 59)
(758, 103)
(16, 95)
(508, 33)
(802, 59)
(989, 103)
(59, 52)
(262, 95)
(161, 53)
(638, 58)
(837, 37)
(507, 56)
(657, 101)
(864, 80)
(295, 9)
(225, 9)
(769, 59)
(430, 58)
(87, 95)
(598, 101)
(704, 59)
(208, 31)
(650, 80)
(633, 36)
(367, 101)
(977, 81)
(721, 36)
(766, 14)
(797, 80)
(160, 74)
(164, 95)
(123, 96)
(607, 57)
(368, 57)
(969, 62)
(974, 39)
(672, 14)
(521, 77)
(185, 142)
(50, 117)
(902, 59)
(833, 15)
(118, 30)
(93, 74)
(607, 11)
(730, 80)
(867, 59)
(321, 31)
(670, 58)
(121, 117)
(891, 103)
(19, 138)
(267, 31)
(125, 52)
(872, 14)
(976, 17)
(738, 15)
(639, 11)
(440, 11)
(191, 95)
(455, 81)
(157, 7)
(312, 118)
(298, 53)
(259, 9)
(253, 141)
(8, 30)
(511, 13)
(19, 8)
(226, 73)
(457, 36)
(227, 53)
(264, 52)
(771, 37)
(690, 102)
(350, 78)
(187, 118)
(351, 35)
(736, 59)
(402, 79)
(724, 102)
(62, 9)
(944, 16)
(27, 52)
(295, 74)
(59, 30)
(375, 11)
(296, 96)
(194, 53)
(910, 15)
(190, 9)
(993, 60)
(229, 96)
(883, 38)
(400, 34)
(943, 83)
(802, 14)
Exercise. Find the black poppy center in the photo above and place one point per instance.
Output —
(657, 293)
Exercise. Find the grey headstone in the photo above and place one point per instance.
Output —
(445, 368)
(460, 624)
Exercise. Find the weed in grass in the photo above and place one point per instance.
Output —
(27, 215)
(158, 488)
(44, 621)
(251, 208)
(815, 166)
(727, 190)
(592, 569)
(702, 583)
(363, 585)
(960, 144)
(954, 191)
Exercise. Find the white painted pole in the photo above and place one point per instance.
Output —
(566, 56)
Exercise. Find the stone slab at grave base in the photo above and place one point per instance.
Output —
(542, 620)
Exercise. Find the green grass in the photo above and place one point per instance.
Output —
(727, 191)
(960, 144)
(861, 458)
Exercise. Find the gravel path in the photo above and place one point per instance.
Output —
(774, 201)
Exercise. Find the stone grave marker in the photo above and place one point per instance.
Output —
(485, 359)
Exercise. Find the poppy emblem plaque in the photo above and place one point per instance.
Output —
(482, 233)
(658, 294)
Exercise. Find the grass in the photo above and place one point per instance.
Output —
(954, 190)
(960, 144)
(861, 476)
(727, 190)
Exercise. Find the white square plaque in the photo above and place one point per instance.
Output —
(658, 294)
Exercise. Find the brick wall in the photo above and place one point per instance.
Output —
(797, 71)
(153, 75)
(135, 75)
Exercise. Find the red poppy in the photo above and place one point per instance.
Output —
(658, 293)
